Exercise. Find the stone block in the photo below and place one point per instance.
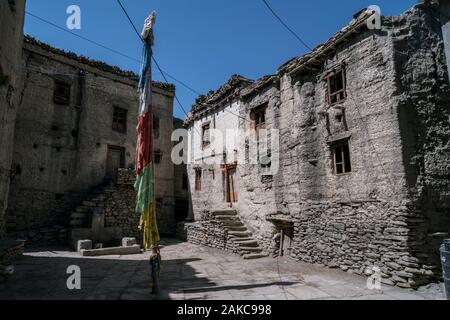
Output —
(84, 245)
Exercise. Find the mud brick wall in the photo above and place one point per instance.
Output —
(120, 208)
(11, 34)
(62, 150)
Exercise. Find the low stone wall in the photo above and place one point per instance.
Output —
(46, 235)
(206, 233)
(9, 251)
(120, 204)
(356, 237)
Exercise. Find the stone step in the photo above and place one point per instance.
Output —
(83, 209)
(78, 215)
(89, 204)
(236, 228)
(251, 249)
(239, 240)
(232, 223)
(239, 234)
(248, 243)
(225, 213)
(228, 218)
(254, 256)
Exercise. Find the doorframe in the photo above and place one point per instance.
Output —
(229, 198)
(122, 158)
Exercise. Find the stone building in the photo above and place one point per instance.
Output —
(11, 33)
(76, 126)
(360, 180)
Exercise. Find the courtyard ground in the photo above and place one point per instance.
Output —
(190, 272)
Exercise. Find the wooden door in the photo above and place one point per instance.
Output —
(114, 161)
(231, 186)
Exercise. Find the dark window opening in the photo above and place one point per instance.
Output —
(336, 82)
(61, 94)
(185, 182)
(55, 128)
(341, 158)
(155, 127)
(258, 117)
(206, 138)
(119, 120)
(198, 179)
(157, 156)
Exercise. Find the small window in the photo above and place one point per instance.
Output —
(157, 156)
(185, 182)
(61, 94)
(258, 116)
(206, 135)
(12, 5)
(198, 179)
(155, 127)
(341, 158)
(336, 82)
(119, 120)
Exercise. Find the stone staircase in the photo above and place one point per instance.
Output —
(81, 216)
(238, 234)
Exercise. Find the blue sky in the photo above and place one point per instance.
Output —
(201, 42)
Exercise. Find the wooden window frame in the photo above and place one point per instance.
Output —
(157, 156)
(345, 155)
(120, 118)
(259, 116)
(62, 98)
(206, 143)
(341, 94)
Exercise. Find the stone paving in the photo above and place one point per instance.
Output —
(190, 272)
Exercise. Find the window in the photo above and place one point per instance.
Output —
(119, 120)
(155, 127)
(258, 116)
(341, 158)
(198, 179)
(185, 182)
(336, 83)
(12, 5)
(206, 135)
(157, 156)
(61, 94)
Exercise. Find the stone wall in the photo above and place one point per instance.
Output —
(11, 33)
(61, 151)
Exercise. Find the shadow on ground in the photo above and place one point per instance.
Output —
(42, 274)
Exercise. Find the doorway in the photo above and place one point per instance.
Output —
(286, 236)
(231, 192)
(114, 161)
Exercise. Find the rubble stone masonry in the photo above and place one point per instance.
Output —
(390, 211)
